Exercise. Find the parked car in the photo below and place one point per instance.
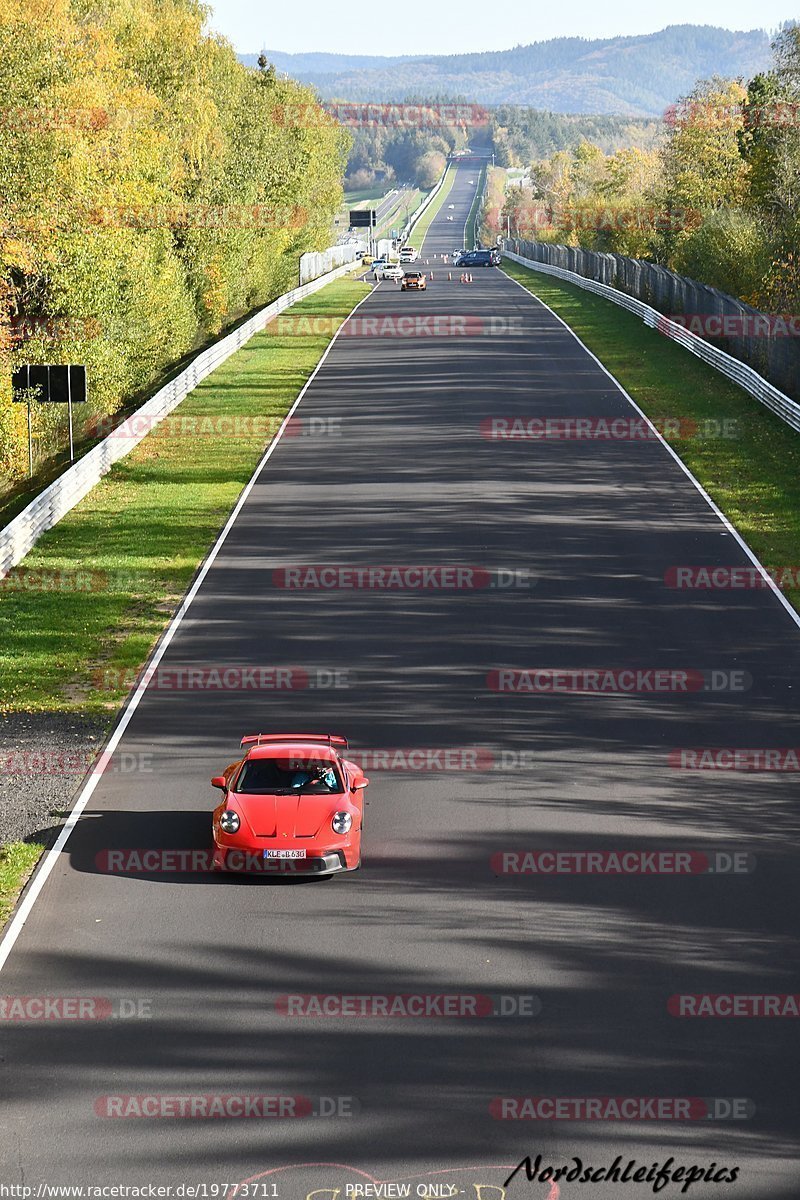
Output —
(390, 271)
(478, 258)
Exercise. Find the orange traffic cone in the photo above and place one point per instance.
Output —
(449, 274)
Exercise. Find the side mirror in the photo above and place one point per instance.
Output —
(360, 781)
(219, 781)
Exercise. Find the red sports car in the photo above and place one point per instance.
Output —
(292, 803)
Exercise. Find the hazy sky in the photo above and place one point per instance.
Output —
(451, 26)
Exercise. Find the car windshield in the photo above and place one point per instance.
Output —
(260, 776)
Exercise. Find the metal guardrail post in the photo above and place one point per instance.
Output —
(732, 368)
(56, 500)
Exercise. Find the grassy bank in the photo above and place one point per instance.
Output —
(17, 861)
(753, 474)
(91, 598)
(396, 217)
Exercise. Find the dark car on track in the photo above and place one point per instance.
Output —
(479, 258)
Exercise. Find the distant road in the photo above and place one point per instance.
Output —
(567, 545)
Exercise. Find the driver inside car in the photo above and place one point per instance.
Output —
(314, 775)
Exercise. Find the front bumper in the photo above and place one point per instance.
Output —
(252, 862)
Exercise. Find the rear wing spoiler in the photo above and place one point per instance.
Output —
(260, 739)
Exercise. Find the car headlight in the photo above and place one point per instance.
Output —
(341, 822)
(229, 821)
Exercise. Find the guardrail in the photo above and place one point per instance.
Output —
(21, 534)
(321, 262)
(738, 372)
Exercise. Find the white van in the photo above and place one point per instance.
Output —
(408, 254)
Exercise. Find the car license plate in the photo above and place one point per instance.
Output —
(284, 854)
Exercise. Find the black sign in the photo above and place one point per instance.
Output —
(363, 217)
(54, 384)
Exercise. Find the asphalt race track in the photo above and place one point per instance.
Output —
(569, 541)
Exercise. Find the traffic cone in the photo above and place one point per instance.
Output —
(431, 274)
(449, 274)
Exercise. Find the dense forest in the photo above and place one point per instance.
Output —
(521, 134)
(718, 201)
(402, 147)
(404, 142)
(638, 76)
(152, 190)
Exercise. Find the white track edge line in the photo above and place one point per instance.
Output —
(17, 922)
(772, 586)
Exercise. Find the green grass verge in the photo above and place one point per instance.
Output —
(753, 476)
(362, 196)
(17, 860)
(470, 229)
(420, 230)
(397, 215)
(120, 562)
(367, 197)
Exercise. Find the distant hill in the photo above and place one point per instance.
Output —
(636, 76)
(319, 63)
